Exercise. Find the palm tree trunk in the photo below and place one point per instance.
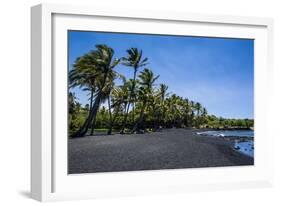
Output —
(91, 103)
(110, 116)
(125, 117)
(140, 120)
(133, 110)
(129, 102)
(83, 130)
(113, 120)
(91, 100)
(127, 106)
(92, 115)
(93, 125)
(133, 90)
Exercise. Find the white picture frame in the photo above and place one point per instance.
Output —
(49, 179)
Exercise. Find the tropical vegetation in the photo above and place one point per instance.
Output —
(139, 104)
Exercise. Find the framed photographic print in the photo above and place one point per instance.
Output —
(135, 102)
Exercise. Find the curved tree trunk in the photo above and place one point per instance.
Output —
(92, 115)
(91, 107)
(91, 100)
(83, 130)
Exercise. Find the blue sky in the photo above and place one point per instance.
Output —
(217, 72)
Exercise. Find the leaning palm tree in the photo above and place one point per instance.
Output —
(134, 60)
(147, 80)
(83, 75)
(102, 60)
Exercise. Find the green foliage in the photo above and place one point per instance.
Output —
(140, 103)
(76, 114)
(220, 123)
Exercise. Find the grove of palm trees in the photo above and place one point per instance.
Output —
(138, 104)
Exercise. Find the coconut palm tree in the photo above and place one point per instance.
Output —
(154, 109)
(103, 63)
(198, 109)
(163, 94)
(147, 80)
(204, 116)
(83, 75)
(128, 86)
(119, 97)
(204, 112)
(163, 88)
(175, 110)
(134, 60)
(186, 112)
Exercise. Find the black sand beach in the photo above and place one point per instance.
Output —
(168, 149)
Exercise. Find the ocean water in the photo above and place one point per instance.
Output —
(228, 133)
(245, 147)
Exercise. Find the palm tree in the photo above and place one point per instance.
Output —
(83, 75)
(204, 117)
(154, 109)
(186, 112)
(163, 94)
(169, 114)
(128, 87)
(119, 97)
(175, 110)
(198, 108)
(134, 60)
(103, 63)
(147, 80)
(163, 91)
